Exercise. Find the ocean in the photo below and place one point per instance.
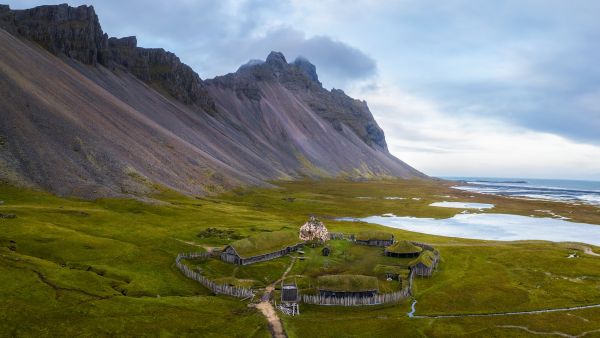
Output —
(572, 191)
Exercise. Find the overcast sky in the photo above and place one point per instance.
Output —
(461, 88)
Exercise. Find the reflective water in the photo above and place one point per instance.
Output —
(501, 227)
(462, 205)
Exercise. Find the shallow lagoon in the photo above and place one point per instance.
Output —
(462, 205)
(500, 227)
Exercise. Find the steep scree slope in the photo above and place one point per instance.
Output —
(87, 115)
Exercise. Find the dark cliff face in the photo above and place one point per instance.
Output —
(161, 69)
(300, 76)
(308, 68)
(76, 33)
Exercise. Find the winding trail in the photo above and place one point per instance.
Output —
(553, 333)
(267, 309)
(205, 247)
(498, 314)
(589, 251)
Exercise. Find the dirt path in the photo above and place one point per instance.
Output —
(553, 333)
(275, 325)
(267, 309)
(586, 249)
(589, 251)
(205, 247)
(498, 314)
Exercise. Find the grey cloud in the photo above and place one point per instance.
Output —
(337, 63)
(530, 63)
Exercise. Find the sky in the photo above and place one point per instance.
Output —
(505, 88)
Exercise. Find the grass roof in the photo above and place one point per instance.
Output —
(265, 242)
(374, 235)
(395, 269)
(427, 258)
(347, 283)
(403, 247)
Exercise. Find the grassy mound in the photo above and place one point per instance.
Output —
(403, 247)
(264, 243)
(374, 235)
(399, 270)
(427, 258)
(348, 283)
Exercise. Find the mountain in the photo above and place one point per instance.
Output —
(87, 115)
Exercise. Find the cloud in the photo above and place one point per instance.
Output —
(527, 63)
(337, 63)
(421, 133)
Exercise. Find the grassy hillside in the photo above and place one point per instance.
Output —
(103, 268)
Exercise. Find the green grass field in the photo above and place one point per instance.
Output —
(106, 268)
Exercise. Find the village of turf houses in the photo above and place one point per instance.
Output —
(321, 268)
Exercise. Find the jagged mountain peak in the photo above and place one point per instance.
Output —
(300, 77)
(276, 59)
(276, 66)
(308, 68)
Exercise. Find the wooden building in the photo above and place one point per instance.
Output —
(347, 286)
(289, 293)
(290, 297)
(425, 264)
(374, 238)
(261, 247)
(403, 249)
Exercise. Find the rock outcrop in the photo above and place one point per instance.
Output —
(314, 230)
(76, 33)
(161, 69)
(71, 31)
(308, 68)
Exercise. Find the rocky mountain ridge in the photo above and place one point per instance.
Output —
(104, 117)
(76, 33)
(301, 77)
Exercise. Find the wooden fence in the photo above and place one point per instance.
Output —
(384, 298)
(336, 235)
(234, 291)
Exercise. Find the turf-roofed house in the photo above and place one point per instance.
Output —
(374, 238)
(392, 272)
(425, 264)
(403, 249)
(261, 247)
(347, 286)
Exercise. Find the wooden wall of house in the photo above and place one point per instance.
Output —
(373, 242)
(402, 255)
(289, 295)
(230, 256)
